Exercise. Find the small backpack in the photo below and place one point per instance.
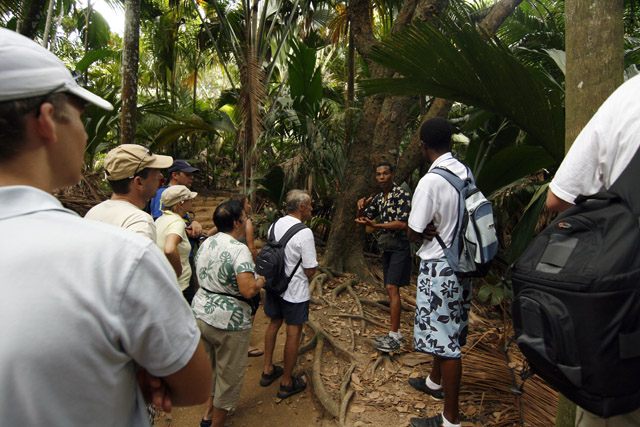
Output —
(576, 304)
(475, 241)
(271, 262)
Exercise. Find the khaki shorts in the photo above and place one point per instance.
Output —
(587, 419)
(228, 353)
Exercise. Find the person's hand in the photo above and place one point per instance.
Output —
(366, 221)
(364, 202)
(194, 230)
(261, 281)
(154, 390)
(430, 232)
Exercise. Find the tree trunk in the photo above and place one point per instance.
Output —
(595, 59)
(130, 55)
(594, 36)
(32, 13)
(47, 25)
(350, 96)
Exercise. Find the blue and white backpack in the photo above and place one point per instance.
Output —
(475, 241)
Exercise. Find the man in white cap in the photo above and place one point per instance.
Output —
(133, 172)
(93, 319)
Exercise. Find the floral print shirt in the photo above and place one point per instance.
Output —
(395, 208)
(218, 261)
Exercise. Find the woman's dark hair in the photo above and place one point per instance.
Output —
(240, 198)
(225, 215)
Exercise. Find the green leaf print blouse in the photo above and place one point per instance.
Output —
(218, 261)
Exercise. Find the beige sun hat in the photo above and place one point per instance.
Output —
(126, 160)
(28, 70)
(175, 194)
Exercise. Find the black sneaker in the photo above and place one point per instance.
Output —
(421, 385)
(381, 338)
(388, 344)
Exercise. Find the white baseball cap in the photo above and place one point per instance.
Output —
(28, 70)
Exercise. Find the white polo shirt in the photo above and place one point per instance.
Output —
(436, 200)
(83, 304)
(302, 245)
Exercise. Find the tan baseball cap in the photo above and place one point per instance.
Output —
(29, 70)
(126, 160)
(175, 194)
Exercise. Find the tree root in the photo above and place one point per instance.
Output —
(315, 287)
(308, 346)
(359, 304)
(343, 287)
(405, 307)
(339, 349)
(375, 304)
(355, 316)
(318, 386)
(344, 405)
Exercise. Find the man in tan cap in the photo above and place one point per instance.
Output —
(93, 321)
(134, 175)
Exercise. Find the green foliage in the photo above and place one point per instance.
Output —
(495, 294)
(459, 62)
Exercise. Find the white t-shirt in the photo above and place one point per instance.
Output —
(171, 223)
(82, 304)
(436, 200)
(302, 245)
(604, 148)
(125, 215)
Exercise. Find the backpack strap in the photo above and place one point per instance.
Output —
(626, 186)
(458, 184)
(285, 239)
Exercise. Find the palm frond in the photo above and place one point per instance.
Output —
(460, 63)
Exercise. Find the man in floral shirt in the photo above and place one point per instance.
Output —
(392, 205)
(225, 270)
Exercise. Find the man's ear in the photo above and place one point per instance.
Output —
(137, 180)
(45, 124)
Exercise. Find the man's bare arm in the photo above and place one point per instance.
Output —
(555, 203)
(191, 385)
(413, 235)
(309, 272)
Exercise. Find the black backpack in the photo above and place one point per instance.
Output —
(576, 304)
(270, 262)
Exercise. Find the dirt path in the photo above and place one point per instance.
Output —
(257, 405)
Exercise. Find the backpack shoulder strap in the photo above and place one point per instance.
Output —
(290, 233)
(451, 177)
(627, 183)
(272, 232)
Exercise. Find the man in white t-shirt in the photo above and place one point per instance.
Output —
(293, 305)
(94, 322)
(598, 156)
(133, 173)
(442, 300)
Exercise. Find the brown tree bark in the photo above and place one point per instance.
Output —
(594, 37)
(130, 59)
(33, 12)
